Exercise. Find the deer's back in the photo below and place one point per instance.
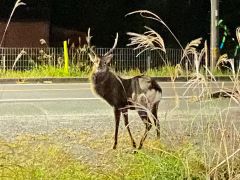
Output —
(119, 92)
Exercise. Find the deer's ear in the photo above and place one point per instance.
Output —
(108, 58)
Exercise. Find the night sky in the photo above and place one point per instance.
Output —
(188, 19)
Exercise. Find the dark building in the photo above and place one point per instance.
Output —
(29, 23)
(25, 33)
(32, 22)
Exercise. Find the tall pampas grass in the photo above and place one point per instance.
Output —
(17, 4)
(219, 133)
(149, 15)
(150, 40)
(238, 34)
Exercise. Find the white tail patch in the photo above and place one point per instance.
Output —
(147, 99)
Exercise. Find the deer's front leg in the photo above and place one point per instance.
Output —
(117, 114)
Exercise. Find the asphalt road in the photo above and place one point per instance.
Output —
(44, 107)
(79, 91)
(77, 98)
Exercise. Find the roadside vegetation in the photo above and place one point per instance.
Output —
(74, 71)
(216, 135)
(45, 71)
(42, 157)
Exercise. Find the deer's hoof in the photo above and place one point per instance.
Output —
(114, 146)
(135, 152)
(140, 146)
(134, 145)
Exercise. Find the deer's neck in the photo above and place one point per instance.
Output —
(111, 87)
(101, 78)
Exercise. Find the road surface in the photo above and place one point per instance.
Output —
(45, 107)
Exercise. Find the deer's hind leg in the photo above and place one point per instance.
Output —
(155, 118)
(148, 125)
(125, 115)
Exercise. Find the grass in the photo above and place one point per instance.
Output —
(44, 71)
(50, 71)
(33, 157)
(160, 72)
(218, 135)
(184, 153)
(39, 157)
(159, 164)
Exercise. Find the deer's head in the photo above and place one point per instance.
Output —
(100, 62)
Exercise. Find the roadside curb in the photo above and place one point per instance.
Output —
(185, 79)
(45, 80)
(49, 80)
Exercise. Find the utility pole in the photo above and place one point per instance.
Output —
(214, 50)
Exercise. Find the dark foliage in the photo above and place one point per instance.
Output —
(188, 19)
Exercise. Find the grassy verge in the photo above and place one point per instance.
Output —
(38, 157)
(50, 71)
(44, 71)
(31, 157)
(198, 149)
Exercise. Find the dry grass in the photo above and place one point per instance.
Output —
(17, 4)
(150, 40)
(218, 134)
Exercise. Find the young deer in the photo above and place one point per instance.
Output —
(140, 93)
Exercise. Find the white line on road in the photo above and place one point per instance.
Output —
(87, 83)
(34, 90)
(72, 99)
(75, 89)
(47, 99)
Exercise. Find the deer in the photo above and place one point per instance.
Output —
(140, 93)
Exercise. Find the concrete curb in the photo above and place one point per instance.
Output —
(48, 80)
(45, 80)
(185, 79)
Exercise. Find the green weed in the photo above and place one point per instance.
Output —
(42, 157)
(34, 157)
(44, 71)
